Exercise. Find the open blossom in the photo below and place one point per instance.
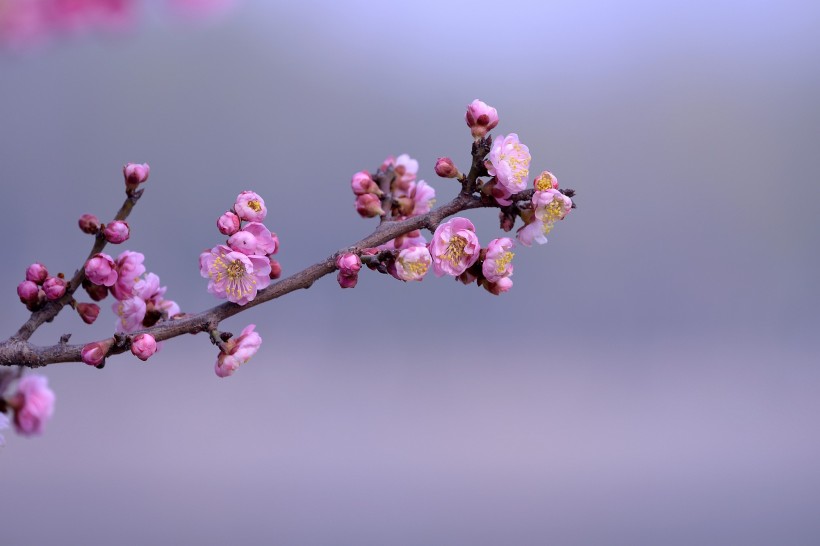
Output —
(149, 290)
(240, 350)
(250, 206)
(129, 267)
(33, 405)
(454, 247)
(480, 118)
(551, 205)
(498, 261)
(412, 264)
(545, 181)
(234, 275)
(509, 162)
(101, 269)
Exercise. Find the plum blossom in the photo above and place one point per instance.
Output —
(551, 205)
(498, 261)
(131, 313)
(532, 233)
(412, 263)
(250, 206)
(545, 181)
(129, 267)
(228, 223)
(135, 174)
(243, 241)
(509, 162)
(266, 241)
(89, 224)
(240, 350)
(88, 312)
(234, 275)
(33, 405)
(28, 292)
(480, 118)
(101, 269)
(454, 247)
(497, 288)
(445, 168)
(143, 346)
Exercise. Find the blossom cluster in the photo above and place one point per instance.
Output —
(27, 22)
(31, 405)
(242, 266)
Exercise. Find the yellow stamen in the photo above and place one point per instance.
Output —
(255, 205)
(502, 261)
(455, 249)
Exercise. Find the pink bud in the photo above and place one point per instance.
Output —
(275, 269)
(54, 287)
(226, 366)
(228, 223)
(481, 118)
(445, 168)
(101, 269)
(348, 264)
(347, 281)
(95, 291)
(499, 287)
(117, 232)
(88, 312)
(135, 174)
(143, 346)
(362, 183)
(89, 224)
(94, 353)
(28, 292)
(36, 273)
(369, 206)
(244, 242)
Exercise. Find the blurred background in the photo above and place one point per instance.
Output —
(652, 377)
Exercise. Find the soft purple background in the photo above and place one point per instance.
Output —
(651, 379)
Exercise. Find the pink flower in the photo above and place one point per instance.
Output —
(454, 247)
(369, 206)
(532, 232)
(497, 288)
(143, 346)
(509, 162)
(129, 268)
(244, 242)
(363, 183)
(250, 206)
(445, 168)
(233, 275)
(94, 353)
(545, 181)
(266, 241)
(89, 224)
(88, 312)
(240, 351)
(135, 174)
(36, 273)
(498, 261)
(480, 118)
(348, 264)
(28, 292)
(33, 405)
(131, 313)
(550, 206)
(413, 263)
(228, 223)
(347, 281)
(54, 287)
(117, 232)
(101, 269)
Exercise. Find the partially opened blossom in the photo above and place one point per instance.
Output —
(131, 314)
(243, 241)
(101, 269)
(348, 264)
(228, 223)
(498, 261)
(129, 267)
(412, 263)
(54, 288)
(424, 197)
(454, 247)
(509, 162)
(266, 241)
(545, 181)
(497, 288)
(551, 205)
(234, 275)
(33, 404)
(240, 350)
(480, 118)
(250, 206)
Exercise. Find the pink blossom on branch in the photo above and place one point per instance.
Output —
(250, 206)
(509, 162)
(412, 264)
(266, 241)
(129, 267)
(228, 223)
(240, 350)
(498, 261)
(135, 174)
(101, 269)
(234, 275)
(480, 118)
(116, 232)
(143, 346)
(454, 247)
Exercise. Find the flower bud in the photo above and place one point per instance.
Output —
(36, 273)
(499, 287)
(348, 264)
(54, 287)
(445, 168)
(275, 269)
(88, 312)
(369, 206)
(96, 292)
(347, 281)
(89, 224)
(28, 292)
(135, 174)
(244, 242)
(481, 118)
(143, 346)
(94, 353)
(228, 223)
(363, 183)
(101, 269)
(117, 232)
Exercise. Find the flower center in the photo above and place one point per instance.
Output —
(518, 163)
(503, 261)
(543, 183)
(235, 270)
(254, 205)
(416, 268)
(455, 249)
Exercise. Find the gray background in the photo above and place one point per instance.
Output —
(651, 379)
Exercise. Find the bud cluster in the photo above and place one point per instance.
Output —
(39, 287)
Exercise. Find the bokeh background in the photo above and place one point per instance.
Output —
(652, 378)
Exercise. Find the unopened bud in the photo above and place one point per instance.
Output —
(135, 174)
(94, 353)
(117, 232)
(143, 346)
(36, 273)
(363, 183)
(369, 206)
(89, 224)
(481, 118)
(54, 288)
(275, 269)
(445, 168)
(28, 292)
(499, 287)
(88, 312)
(228, 223)
(349, 264)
